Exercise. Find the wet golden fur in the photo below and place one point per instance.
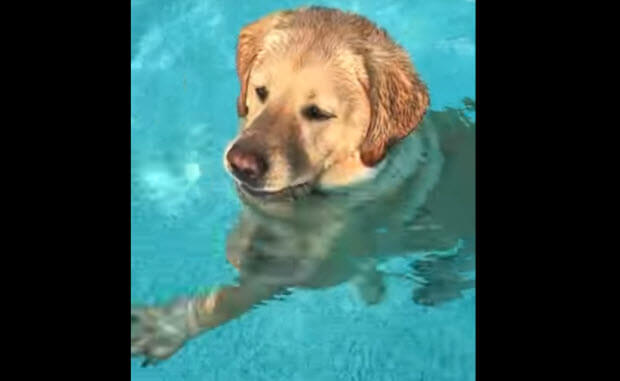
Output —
(347, 65)
(341, 192)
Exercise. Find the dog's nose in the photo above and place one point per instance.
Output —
(246, 165)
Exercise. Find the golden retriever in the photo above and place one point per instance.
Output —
(330, 174)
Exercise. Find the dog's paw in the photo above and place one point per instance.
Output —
(432, 295)
(370, 287)
(158, 332)
(372, 293)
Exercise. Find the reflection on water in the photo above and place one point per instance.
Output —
(422, 202)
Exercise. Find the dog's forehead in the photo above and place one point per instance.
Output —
(343, 69)
(328, 84)
(304, 44)
(309, 57)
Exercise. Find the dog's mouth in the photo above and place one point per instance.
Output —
(292, 192)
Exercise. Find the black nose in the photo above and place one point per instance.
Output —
(248, 166)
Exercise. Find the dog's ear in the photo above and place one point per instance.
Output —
(398, 100)
(248, 46)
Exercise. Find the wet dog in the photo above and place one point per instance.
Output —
(339, 165)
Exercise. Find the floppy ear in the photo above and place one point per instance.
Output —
(398, 101)
(248, 46)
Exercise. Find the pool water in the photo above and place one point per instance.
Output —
(183, 204)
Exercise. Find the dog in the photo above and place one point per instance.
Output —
(339, 163)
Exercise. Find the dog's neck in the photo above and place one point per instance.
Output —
(349, 171)
(409, 172)
(418, 155)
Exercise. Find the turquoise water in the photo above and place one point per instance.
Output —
(183, 113)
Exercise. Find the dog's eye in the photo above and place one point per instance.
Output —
(314, 113)
(262, 93)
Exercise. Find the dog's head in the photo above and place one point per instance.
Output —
(324, 94)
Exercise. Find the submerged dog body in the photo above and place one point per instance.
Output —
(420, 199)
(331, 176)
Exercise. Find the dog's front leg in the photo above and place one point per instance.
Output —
(158, 332)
